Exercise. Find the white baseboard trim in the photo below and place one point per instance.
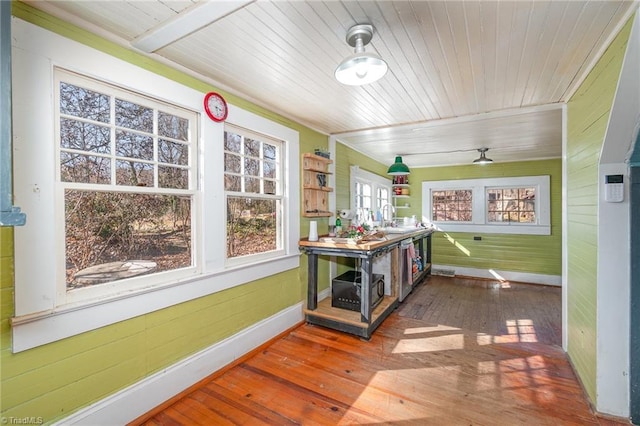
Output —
(324, 294)
(141, 397)
(495, 274)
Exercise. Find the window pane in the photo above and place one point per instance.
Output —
(251, 167)
(173, 153)
(173, 127)
(269, 169)
(232, 163)
(270, 187)
(252, 185)
(452, 205)
(515, 205)
(251, 147)
(232, 183)
(232, 142)
(251, 226)
(270, 151)
(134, 145)
(134, 116)
(84, 168)
(173, 177)
(106, 227)
(84, 136)
(84, 103)
(132, 173)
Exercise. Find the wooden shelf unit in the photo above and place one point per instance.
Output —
(315, 171)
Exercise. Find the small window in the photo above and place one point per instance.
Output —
(518, 205)
(370, 192)
(363, 195)
(452, 206)
(253, 193)
(511, 205)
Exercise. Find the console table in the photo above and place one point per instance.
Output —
(361, 323)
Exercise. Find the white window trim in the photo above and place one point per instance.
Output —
(38, 318)
(281, 197)
(479, 216)
(357, 174)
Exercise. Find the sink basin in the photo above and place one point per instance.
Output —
(338, 240)
(398, 229)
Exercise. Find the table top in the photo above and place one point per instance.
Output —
(326, 242)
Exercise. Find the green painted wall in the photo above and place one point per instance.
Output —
(54, 380)
(347, 157)
(587, 117)
(540, 254)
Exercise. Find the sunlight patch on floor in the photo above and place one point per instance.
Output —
(429, 329)
(523, 328)
(412, 381)
(430, 344)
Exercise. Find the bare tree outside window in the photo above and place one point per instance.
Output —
(512, 205)
(125, 169)
(253, 189)
(452, 205)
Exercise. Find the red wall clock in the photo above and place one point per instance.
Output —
(215, 106)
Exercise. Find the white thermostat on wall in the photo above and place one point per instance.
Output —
(613, 188)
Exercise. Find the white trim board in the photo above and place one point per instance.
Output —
(130, 403)
(522, 277)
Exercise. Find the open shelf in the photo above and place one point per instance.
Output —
(315, 170)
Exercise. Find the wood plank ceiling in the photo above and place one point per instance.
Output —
(462, 74)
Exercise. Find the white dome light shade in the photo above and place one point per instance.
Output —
(361, 67)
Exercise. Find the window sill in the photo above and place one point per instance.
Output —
(494, 229)
(40, 328)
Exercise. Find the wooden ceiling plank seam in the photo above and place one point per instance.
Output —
(436, 90)
(459, 32)
(488, 15)
(358, 100)
(297, 55)
(502, 46)
(595, 48)
(627, 9)
(525, 62)
(233, 71)
(528, 59)
(554, 26)
(397, 54)
(475, 47)
(520, 21)
(445, 70)
(421, 83)
(387, 88)
(390, 86)
(512, 34)
(362, 98)
(577, 42)
(550, 72)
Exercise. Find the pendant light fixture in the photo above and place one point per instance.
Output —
(483, 159)
(398, 168)
(361, 67)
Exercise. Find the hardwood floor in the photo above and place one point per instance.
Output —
(456, 352)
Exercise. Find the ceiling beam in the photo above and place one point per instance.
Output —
(186, 22)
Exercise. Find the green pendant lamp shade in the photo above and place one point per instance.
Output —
(398, 168)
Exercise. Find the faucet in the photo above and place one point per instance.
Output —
(393, 210)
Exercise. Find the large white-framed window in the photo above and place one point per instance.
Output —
(254, 195)
(516, 205)
(369, 191)
(128, 189)
(148, 155)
